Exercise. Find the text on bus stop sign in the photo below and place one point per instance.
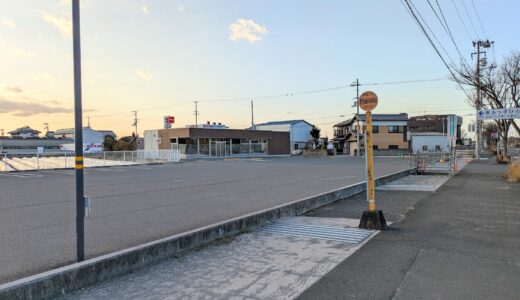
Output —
(368, 101)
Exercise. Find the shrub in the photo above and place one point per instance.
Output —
(513, 172)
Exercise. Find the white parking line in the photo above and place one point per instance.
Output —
(22, 175)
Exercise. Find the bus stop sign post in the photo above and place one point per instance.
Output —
(371, 218)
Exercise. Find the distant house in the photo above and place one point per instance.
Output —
(434, 123)
(24, 132)
(300, 131)
(89, 135)
(389, 132)
(92, 139)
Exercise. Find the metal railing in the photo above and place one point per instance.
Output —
(440, 162)
(64, 160)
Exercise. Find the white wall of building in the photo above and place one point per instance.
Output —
(425, 143)
(151, 140)
(299, 133)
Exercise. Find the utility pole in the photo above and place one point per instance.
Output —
(357, 115)
(88, 122)
(252, 117)
(135, 123)
(46, 126)
(196, 114)
(478, 103)
(78, 134)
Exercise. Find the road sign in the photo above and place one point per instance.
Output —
(168, 121)
(368, 101)
(451, 134)
(499, 114)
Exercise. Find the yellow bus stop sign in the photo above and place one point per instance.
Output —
(372, 218)
(368, 101)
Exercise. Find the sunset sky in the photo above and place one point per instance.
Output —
(158, 56)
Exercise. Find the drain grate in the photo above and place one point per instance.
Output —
(339, 234)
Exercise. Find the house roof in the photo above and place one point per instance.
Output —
(288, 122)
(72, 131)
(376, 117)
(24, 129)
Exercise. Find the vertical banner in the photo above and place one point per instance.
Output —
(451, 133)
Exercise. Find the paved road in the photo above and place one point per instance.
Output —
(134, 205)
(461, 242)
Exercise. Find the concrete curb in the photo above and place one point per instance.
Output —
(76, 276)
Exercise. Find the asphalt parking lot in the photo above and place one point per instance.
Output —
(136, 204)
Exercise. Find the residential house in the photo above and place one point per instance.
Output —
(389, 132)
(24, 132)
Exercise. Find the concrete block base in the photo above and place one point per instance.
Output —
(373, 219)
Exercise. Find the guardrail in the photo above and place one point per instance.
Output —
(65, 160)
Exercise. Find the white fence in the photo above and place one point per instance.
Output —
(9, 163)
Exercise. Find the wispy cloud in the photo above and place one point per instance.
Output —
(13, 89)
(145, 9)
(60, 22)
(247, 29)
(8, 23)
(82, 3)
(143, 74)
(20, 52)
(40, 77)
(22, 109)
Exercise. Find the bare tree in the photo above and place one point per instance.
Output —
(499, 87)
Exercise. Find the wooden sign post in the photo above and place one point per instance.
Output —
(372, 218)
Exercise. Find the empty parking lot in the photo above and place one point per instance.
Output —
(136, 204)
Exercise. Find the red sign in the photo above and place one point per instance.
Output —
(169, 119)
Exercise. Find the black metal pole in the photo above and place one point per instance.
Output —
(78, 135)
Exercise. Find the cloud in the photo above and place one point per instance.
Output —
(22, 109)
(43, 77)
(24, 53)
(143, 74)
(60, 22)
(13, 89)
(145, 9)
(180, 8)
(247, 30)
(82, 3)
(8, 23)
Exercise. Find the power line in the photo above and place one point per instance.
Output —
(431, 31)
(445, 25)
(462, 20)
(478, 18)
(470, 18)
(432, 43)
(406, 81)
(273, 96)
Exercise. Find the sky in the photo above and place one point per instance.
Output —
(159, 56)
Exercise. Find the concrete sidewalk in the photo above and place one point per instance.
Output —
(460, 242)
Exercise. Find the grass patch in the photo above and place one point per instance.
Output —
(513, 172)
